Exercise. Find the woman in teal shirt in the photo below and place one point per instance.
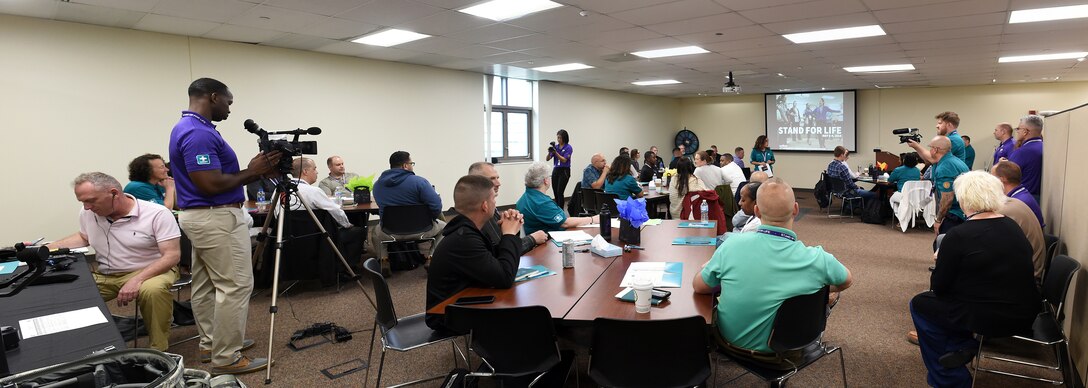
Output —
(908, 171)
(150, 180)
(762, 156)
(619, 180)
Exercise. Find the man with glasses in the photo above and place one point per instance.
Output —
(400, 186)
(1029, 153)
(945, 171)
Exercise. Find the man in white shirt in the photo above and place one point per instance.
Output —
(350, 237)
(732, 172)
(137, 248)
(714, 176)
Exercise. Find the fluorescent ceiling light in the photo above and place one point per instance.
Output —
(390, 37)
(499, 10)
(656, 82)
(1042, 57)
(835, 34)
(671, 52)
(563, 67)
(1052, 13)
(880, 68)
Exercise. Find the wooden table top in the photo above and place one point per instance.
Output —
(587, 291)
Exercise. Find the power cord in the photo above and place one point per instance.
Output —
(323, 329)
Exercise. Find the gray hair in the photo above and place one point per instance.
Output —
(478, 168)
(537, 173)
(101, 181)
(1035, 121)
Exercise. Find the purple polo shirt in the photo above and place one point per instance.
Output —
(566, 150)
(1003, 150)
(1021, 193)
(195, 145)
(1030, 159)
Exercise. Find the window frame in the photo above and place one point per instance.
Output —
(504, 127)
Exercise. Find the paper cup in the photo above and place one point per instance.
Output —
(643, 294)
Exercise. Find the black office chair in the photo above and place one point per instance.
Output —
(668, 353)
(405, 224)
(798, 327)
(836, 188)
(517, 344)
(1047, 328)
(306, 254)
(609, 199)
(590, 205)
(1050, 247)
(400, 334)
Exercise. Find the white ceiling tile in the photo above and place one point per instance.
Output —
(951, 43)
(748, 32)
(445, 23)
(102, 16)
(745, 44)
(937, 24)
(571, 49)
(446, 46)
(341, 29)
(131, 5)
(600, 24)
(717, 23)
(510, 57)
(647, 44)
(426, 59)
(949, 34)
(668, 12)
(490, 33)
(299, 42)
(886, 4)
(174, 25)
(553, 19)
(450, 4)
(611, 6)
(743, 5)
(209, 10)
(527, 42)
(345, 48)
(944, 10)
(808, 10)
(823, 23)
(389, 54)
(278, 19)
(320, 7)
(32, 8)
(463, 64)
(234, 33)
(390, 12)
(624, 35)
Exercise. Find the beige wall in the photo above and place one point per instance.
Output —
(736, 121)
(80, 98)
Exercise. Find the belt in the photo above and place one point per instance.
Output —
(236, 205)
(746, 351)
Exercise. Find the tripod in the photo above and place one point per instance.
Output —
(285, 188)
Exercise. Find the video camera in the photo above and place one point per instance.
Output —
(552, 148)
(906, 134)
(289, 148)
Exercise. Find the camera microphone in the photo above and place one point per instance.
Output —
(308, 131)
(251, 126)
(902, 131)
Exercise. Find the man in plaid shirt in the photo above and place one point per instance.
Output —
(838, 169)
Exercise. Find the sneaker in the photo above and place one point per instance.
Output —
(206, 355)
(912, 337)
(243, 365)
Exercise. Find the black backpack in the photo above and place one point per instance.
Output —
(821, 193)
(870, 213)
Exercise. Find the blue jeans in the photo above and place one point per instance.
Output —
(936, 337)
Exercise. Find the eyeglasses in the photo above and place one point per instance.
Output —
(413, 164)
(1025, 129)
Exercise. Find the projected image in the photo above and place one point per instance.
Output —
(811, 121)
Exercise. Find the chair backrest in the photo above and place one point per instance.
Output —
(747, 172)
(589, 200)
(514, 341)
(1057, 280)
(835, 186)
(675, 350)
(386, 315)
(410, 219)
(609, 199)
(1050, 248)
(914, 192)
(800, 321)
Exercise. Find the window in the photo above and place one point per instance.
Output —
(510, 124)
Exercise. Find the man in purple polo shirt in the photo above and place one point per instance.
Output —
(210, 195)
(1003, 134)
(1009, 175)
(1029, 153)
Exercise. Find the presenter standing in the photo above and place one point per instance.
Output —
(559, 153)
(762, 156)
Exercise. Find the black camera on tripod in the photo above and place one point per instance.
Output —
(906, 134)
(289, 148)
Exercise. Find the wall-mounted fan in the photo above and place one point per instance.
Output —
(689, 139)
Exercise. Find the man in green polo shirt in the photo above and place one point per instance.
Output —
(946, 170)
(540, 210)
(758, 271)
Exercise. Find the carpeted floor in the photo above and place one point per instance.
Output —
(870, 322)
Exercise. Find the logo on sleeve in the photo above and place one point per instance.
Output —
(203, 159)
(947, 185)
(558, 218)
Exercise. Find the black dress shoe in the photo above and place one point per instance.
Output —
(957, 358)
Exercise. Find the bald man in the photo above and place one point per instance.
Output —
(338, 177)
(593, 175)
(1003, 135)
(758, 271)
(945, 171)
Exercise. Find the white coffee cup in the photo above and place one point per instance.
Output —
(643, 287)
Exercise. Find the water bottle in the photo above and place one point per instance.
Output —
(261, 200)
(339, 195)
(606, 222)
(704, 211)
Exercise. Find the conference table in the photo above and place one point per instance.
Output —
(578, 295)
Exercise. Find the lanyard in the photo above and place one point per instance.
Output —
(776, 233)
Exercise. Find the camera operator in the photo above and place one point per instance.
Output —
(209, 190)
(559, 154)
(947, 126)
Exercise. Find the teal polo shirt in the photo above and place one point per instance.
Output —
(959, 148)
(146, 191)
(540, 211)
(945, 173)
(757, 272)
(624, 187)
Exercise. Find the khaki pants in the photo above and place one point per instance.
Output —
(222, 279)
(154, 301)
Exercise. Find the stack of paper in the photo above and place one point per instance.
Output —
(662, 274)
(536, 271)
(579, 237)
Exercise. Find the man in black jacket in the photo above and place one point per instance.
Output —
(467, 257)
(491, 229)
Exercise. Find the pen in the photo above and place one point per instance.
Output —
(527, 276)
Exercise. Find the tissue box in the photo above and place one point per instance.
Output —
(609, 251)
